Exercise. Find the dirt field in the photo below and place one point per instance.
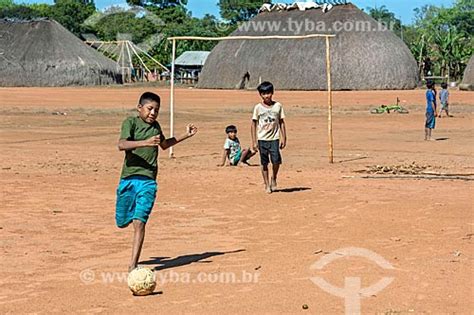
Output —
(220, 245)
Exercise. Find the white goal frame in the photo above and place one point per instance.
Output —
(328, 71)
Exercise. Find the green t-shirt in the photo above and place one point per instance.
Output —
(141, 161)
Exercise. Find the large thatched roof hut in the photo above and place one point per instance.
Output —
(468, 80)
(361, 60)
(44, 53)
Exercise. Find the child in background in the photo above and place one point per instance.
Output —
(232, 149)
(444, 100)
(268, 128)
(430, 110)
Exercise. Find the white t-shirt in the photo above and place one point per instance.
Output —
(233, 146)
(268, 121)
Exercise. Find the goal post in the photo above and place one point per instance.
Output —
(327, 37)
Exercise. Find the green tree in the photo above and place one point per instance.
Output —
(387, 18)
(444, 35)
(6, 4)
(8, 9)
(72, 13)
(239, 11)
(109, 26)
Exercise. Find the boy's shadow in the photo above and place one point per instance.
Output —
(441, 139)
(167, 262)
(292, 189)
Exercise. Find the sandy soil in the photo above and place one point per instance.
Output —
(218, 242)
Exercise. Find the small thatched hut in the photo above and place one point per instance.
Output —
(364, 57)
(44, 53)
(468, 80)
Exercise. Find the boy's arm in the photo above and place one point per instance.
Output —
(283, 134)
(254, 135)
(126, 142)
(191, 130)
(128, 145)
(225, 155)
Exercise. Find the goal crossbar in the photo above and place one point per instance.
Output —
(327, 37)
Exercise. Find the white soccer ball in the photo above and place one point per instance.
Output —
(141, 281)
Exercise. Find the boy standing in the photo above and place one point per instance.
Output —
(430, 110)
(232, 149)
(268, 127)
(444, 99)
(139, 138)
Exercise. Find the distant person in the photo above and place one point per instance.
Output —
(268, 127)
(233, 151)
(430, 110)
(140, 137)
(444, 100)
(427, 67)
(244, 81)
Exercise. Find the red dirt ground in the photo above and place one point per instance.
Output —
(58, 175)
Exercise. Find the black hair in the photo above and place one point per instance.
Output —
(430, 84)
(265, 87)
(444, 85)
(149, 97)
(230, 128)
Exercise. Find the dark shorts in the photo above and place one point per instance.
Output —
(430, 120)
(269, 150)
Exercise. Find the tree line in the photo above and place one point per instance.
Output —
(443, 34)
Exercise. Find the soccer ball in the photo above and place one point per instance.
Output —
(141, 281)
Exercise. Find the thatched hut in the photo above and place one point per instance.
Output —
(468, 80)
(361, 60)
(43, 53)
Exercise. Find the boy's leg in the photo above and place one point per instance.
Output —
(145, 200)
(429, 135)
(275, 156)
(263, 148)
(276, 168)
(266, 179)
(426, 133)
(447, 112)
(246, 155)
(138, 237)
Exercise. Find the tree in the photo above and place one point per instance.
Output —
(239, 11)
(6, 4)
(444, 35)
(72, 13)
(109, 26)
(387, 18)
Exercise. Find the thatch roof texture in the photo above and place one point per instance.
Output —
(44, 53)
(468, 80)
(361, 60)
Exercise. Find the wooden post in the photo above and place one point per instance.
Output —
(328, 70)
(328, 63)
(172, 96)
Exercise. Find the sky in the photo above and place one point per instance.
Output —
(402, 8)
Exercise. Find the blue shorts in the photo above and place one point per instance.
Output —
(236, 158)
(430, 120)
(135, 199)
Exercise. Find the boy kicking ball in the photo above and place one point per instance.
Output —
(140, 138)
(268, 127)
